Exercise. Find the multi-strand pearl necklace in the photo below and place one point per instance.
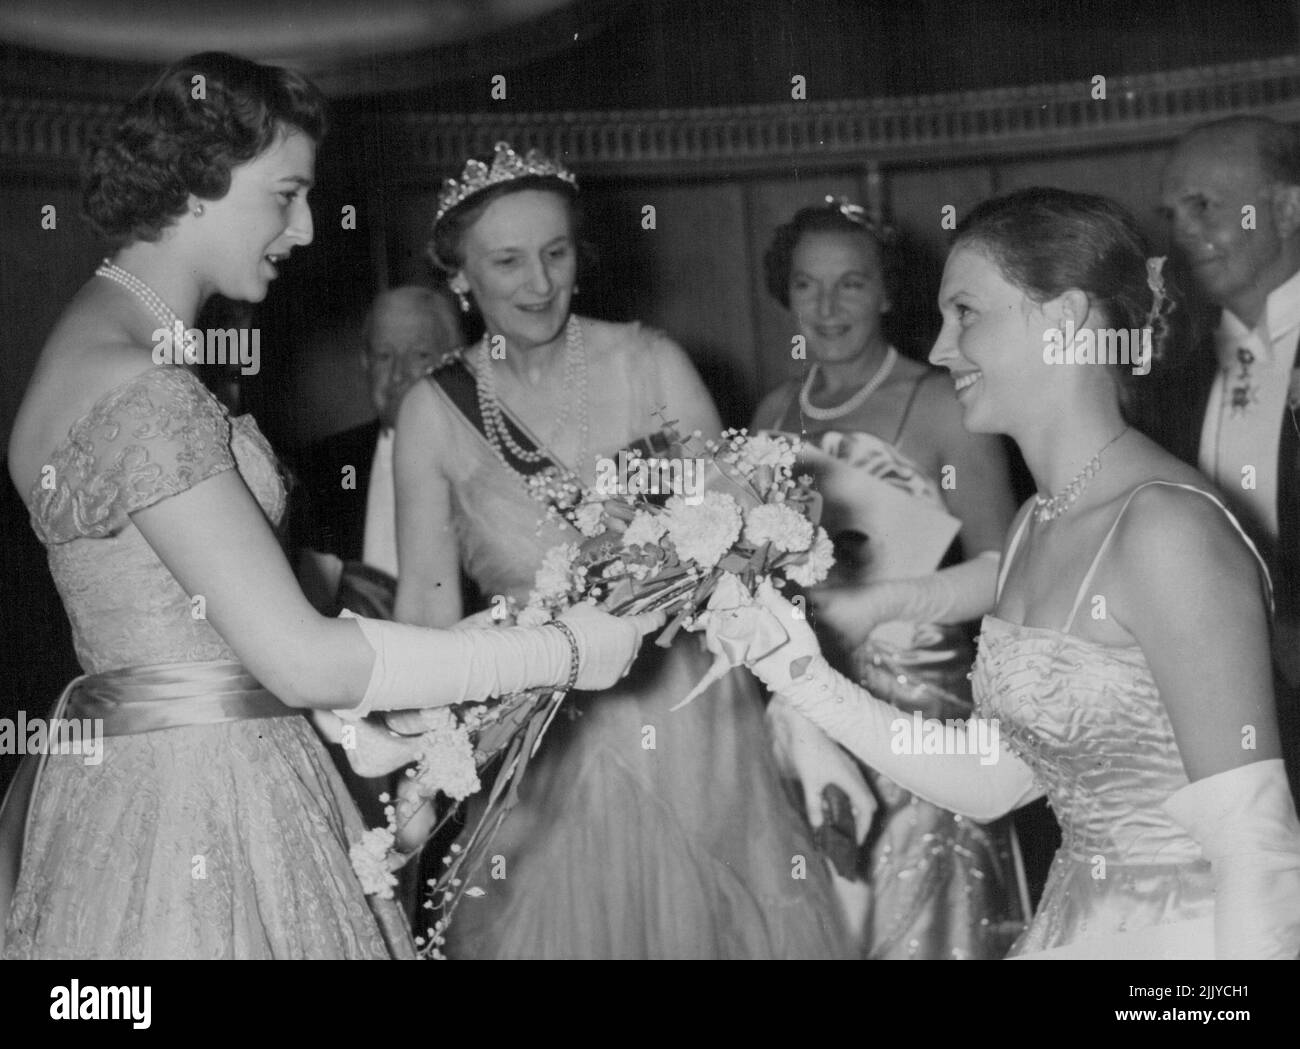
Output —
(575, 378)
(1049, 509)
(856, 401)
(165, 315)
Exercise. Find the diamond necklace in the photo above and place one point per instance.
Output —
(1046, 509)
(575, 378)
(165, 315)
(856, 401)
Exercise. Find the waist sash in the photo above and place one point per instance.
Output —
(132, 700)
(170, 695)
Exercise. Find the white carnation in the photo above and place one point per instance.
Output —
(779, 524)
(705, 532)
(817, 563)
(645, 529)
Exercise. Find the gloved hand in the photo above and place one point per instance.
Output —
(607, 645)
(416, 668)
(954, 595)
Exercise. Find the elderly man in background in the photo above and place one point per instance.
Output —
(347, 535)
(1231, 194)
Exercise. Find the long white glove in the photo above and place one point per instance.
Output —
(415, 667)
(953, 595)
(1245, 822)
(982, 786)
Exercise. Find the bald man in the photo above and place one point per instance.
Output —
(1231, 195)
(407, 332)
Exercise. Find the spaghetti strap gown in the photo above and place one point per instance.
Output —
(1127, 881)
(639, 833)
(215, 825)
(942, 886)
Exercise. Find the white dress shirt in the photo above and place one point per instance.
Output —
(1243, 418)
(379, 542)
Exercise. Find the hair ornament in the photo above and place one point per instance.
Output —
(857, 214)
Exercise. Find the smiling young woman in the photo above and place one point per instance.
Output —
(1148, 719)
(216, 825)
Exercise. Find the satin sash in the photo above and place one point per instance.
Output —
(171, 695)
(129, 701)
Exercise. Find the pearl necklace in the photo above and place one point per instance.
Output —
(575, 378)
(856, 401)
(1046, 509)
(165, 315)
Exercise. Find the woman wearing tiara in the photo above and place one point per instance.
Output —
(212, 823)
(938, 885)
(1127, 675)
(640, 833)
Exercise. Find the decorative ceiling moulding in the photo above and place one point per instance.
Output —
(47, 136)
(932, 128)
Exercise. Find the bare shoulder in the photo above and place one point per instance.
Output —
(82, 361)
(1173, 534)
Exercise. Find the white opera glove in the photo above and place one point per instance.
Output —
(415, 667)
(1245, 822)
(954, 595)
(972, 774)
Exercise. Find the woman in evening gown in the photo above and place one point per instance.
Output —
(212, 823)
(1127, 675)
(938, 885)
(640, 833)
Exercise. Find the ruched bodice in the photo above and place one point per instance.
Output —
(1089, 721)
(157, 434)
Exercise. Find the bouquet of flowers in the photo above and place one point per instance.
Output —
(697, 528)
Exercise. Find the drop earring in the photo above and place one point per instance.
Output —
(463, 298)
(198, 209)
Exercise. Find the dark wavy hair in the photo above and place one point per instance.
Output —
(1047, 241)
(168, 144)
(823, 218)
(447, 245)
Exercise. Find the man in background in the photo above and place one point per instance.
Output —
(347, 534)
(1231, 194)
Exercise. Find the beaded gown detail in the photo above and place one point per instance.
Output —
(203, 841)
(640, 833)
(942, 885)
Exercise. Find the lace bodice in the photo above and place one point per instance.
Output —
(155, 435)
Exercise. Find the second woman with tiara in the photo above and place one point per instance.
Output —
(639, 833)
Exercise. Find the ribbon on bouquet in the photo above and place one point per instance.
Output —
(738, 630)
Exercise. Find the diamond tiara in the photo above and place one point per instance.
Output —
(507, 165)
